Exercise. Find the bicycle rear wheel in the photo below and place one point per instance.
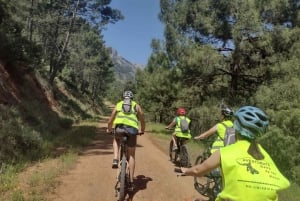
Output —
(184, 156)
(123, 179)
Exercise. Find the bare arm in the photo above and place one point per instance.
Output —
(111, 120)
(207, 166)
(171, 125)
(207, 133)
(141, 118)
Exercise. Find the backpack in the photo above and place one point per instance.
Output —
(184, 125)
(126, 106)
(229, 137)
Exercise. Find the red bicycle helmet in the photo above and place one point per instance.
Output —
(181, 111)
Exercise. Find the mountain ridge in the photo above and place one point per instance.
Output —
(124, 69)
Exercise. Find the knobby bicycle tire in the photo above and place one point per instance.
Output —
(211, 187)
(171, 150)
(123, 178)
(203, 189)
(172, 154)
(184, 156)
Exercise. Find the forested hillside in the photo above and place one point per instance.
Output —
(214, 52)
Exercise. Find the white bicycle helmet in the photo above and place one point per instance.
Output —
(128, 94)
(227, 112)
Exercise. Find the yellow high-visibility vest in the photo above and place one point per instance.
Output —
(129, 119)
(219, 142)
(247, 179)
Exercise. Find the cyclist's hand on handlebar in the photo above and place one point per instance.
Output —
(179, 171)
(141, 132)
(109, 131)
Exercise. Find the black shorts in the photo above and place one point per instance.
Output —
(132, 138)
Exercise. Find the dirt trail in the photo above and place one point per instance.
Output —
(93, 179)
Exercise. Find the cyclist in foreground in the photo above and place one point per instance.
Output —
(219, 128)
(248, 172)
(125, 118)
(178, 130)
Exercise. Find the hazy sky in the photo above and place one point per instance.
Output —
(132, 36)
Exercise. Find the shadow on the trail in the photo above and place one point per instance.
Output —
(101, 144)
(140, 183)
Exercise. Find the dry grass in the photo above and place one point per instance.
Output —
(39, 179)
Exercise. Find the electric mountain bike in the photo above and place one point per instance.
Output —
(181, 156)
(212, 185)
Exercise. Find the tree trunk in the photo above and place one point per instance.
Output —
(58, 66)
(30, 21)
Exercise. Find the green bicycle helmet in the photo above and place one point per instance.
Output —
(251, 122)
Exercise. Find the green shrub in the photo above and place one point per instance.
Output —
(280, 147)
(203, 118)
(18, 142)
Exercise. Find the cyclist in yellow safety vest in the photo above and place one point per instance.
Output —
(248, 172)
(219, 128)
(181, 114)
(128, 122)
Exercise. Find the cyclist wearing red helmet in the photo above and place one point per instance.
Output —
(181, 111)
(177, 121)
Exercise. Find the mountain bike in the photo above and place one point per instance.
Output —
(181, 156)
(213, 180)
(123, 174)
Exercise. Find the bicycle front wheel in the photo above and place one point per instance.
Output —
(172, 154)
(123, 179)
(202, 184)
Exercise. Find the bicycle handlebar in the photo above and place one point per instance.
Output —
(179, 172)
